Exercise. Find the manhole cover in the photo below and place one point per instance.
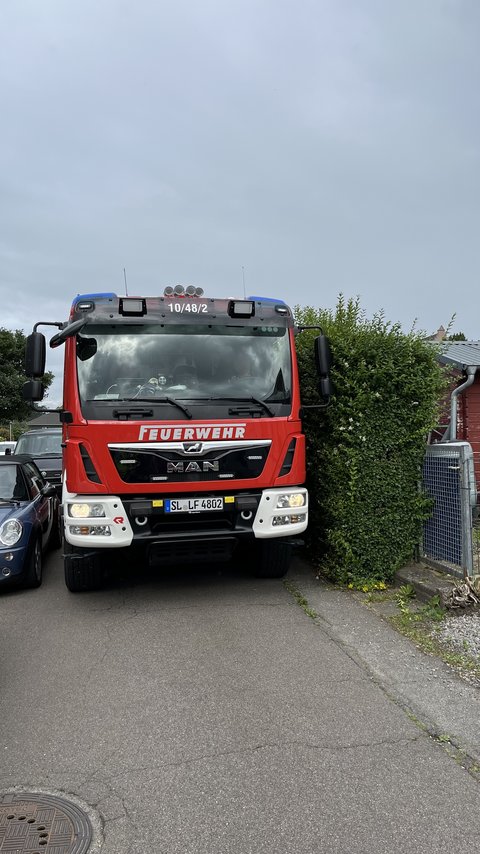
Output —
(42, 824)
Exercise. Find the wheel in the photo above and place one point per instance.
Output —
(82, 571)
(273, 559)
(147, 390)
(56, 534)
(33, 572)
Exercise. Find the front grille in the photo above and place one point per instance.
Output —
(156, 465)
(52, 477)
(199, 551)
(221, 521)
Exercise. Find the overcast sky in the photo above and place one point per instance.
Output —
(324, 145)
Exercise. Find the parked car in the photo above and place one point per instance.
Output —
(29, 521)
(6, 447)
(44, 445)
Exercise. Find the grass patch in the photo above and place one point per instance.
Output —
(300, 599)
(418, 625)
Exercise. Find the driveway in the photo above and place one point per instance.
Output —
(201, 710)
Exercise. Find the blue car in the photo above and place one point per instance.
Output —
(29, 521)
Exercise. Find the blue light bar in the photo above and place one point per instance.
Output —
(268, 299)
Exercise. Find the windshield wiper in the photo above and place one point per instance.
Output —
(152, 400)
(255, 400)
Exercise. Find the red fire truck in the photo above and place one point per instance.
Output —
(182, 429)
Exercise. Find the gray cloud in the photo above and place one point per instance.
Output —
(326, 146)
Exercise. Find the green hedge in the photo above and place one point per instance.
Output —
(365, 451)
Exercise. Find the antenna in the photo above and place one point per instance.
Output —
(243, 278)
(125, 279)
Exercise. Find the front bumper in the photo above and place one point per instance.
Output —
(14, 565)
(144, 520)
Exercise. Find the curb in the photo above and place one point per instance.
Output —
(427, 582)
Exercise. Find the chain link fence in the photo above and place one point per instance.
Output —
(476, 521)
(451, 542)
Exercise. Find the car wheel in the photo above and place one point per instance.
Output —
(33, 573)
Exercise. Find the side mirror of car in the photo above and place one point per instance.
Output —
(8, 452)
(49, 490)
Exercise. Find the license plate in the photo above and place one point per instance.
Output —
(192, 505)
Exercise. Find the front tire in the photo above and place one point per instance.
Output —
(34, 571)
(273, 560)
(82, 571)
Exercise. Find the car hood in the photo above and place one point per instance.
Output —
(13, 510)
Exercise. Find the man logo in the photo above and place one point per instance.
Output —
(182, 468)
(192, 447)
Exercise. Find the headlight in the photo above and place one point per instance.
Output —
(84, 511)
(10, 532)
(89, 530)
(291, 499)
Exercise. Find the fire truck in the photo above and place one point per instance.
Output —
(182, 433)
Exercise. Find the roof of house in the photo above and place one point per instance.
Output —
(439, 335)
(463, 354)
(48, 419)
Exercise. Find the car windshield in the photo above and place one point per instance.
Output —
(48, 444)
(12, 484)
(186, 362)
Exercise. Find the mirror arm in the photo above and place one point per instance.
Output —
(316, 405)
(46, 323)
(66, 331)
(299, 329)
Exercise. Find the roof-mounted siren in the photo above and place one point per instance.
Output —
(192, 291)
(181, 291)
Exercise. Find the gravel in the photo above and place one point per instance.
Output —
(462, 631)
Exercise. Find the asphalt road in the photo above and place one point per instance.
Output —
(201, 710)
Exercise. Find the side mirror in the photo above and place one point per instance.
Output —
(33, 390)
(323, 355)
(326, 387)
(8, 452)
(35, 355)
(49, 490)
(67, 332)
(86, 348)
(323, 360)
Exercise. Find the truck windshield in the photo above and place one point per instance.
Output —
(185, 362)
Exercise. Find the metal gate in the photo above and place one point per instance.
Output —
(449, 480)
